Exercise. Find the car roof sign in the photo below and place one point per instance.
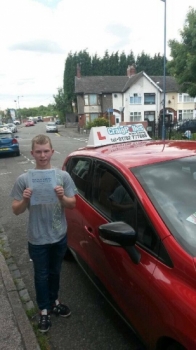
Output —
(102, 135)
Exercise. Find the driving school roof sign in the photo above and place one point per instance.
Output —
(100, 136)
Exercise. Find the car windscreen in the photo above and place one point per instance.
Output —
(51, 124)
(171, 186)
(5, 135)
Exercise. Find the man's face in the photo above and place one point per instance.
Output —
(42, 155)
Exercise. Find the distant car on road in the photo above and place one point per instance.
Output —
(51, 127)
(30, 123)
(4, 128)
(12, 127)
(39, 119)
(16, 122)
(58, 122)
(8, 143)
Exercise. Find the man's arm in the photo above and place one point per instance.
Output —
(19, 206)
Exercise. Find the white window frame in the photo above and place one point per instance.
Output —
(185, 114)
(135, 99)
(135, 116)
(185, 98)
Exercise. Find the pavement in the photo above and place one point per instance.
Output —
(16, 331)
(16, 328)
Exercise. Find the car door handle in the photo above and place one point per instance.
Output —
(89, 230)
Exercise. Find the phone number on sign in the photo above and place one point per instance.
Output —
(129, 138)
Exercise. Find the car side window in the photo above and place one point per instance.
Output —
(146, 234)
(79, 169)
(110, 196)
(148, 239)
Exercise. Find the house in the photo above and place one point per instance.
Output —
(135, 97)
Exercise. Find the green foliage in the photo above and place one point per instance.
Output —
(183, 64)
(61, 104)
(98, 122)
(43, 111)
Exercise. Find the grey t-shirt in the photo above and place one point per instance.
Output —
(47, 223)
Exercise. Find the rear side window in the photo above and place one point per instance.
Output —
(79, 169)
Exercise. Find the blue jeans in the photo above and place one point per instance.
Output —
(47, 261)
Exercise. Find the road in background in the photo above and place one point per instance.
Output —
(93, 325)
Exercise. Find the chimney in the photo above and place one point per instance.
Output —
(78, 71)
(131, 71)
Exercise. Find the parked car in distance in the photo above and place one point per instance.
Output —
(4, 128)
(39, 119)
(12, 127)
(51, 127)
(58, 122)
(29, 123)
(8, 143)
(186, 125)
(16, 122)
(133, 230)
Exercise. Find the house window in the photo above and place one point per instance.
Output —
(135, 99)
(149, 99)
(185, 98)
(180, 115)
(188, 98)
(185, 114)
(135, 116)
(90, 100)
(150, 116)
(93, 116)
(180, 97)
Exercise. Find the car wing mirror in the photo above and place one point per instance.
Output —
(120, 234)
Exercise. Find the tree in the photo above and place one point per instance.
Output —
(183, 64)
(61, 104)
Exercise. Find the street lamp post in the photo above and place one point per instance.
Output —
(18, 97)
(164, 74)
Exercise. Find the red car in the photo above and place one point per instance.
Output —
(133, 230)
(30, 123)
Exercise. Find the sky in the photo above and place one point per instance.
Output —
(37, 35)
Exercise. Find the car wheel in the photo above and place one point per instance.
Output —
(17, 153)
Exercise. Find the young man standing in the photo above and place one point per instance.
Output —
(46, 230)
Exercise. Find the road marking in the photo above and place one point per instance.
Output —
(57, 152)
(29, 160)
(24, 162)
(5, 173)
(85, 140)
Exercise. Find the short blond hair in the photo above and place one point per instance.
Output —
(40, 140)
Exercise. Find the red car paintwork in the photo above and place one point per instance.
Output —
(29, 123)
(159, 301)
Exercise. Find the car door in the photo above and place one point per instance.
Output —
(79, 168)
(128, 283)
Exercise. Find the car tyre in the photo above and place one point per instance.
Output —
(17, 153)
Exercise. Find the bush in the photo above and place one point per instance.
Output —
(98, 122)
